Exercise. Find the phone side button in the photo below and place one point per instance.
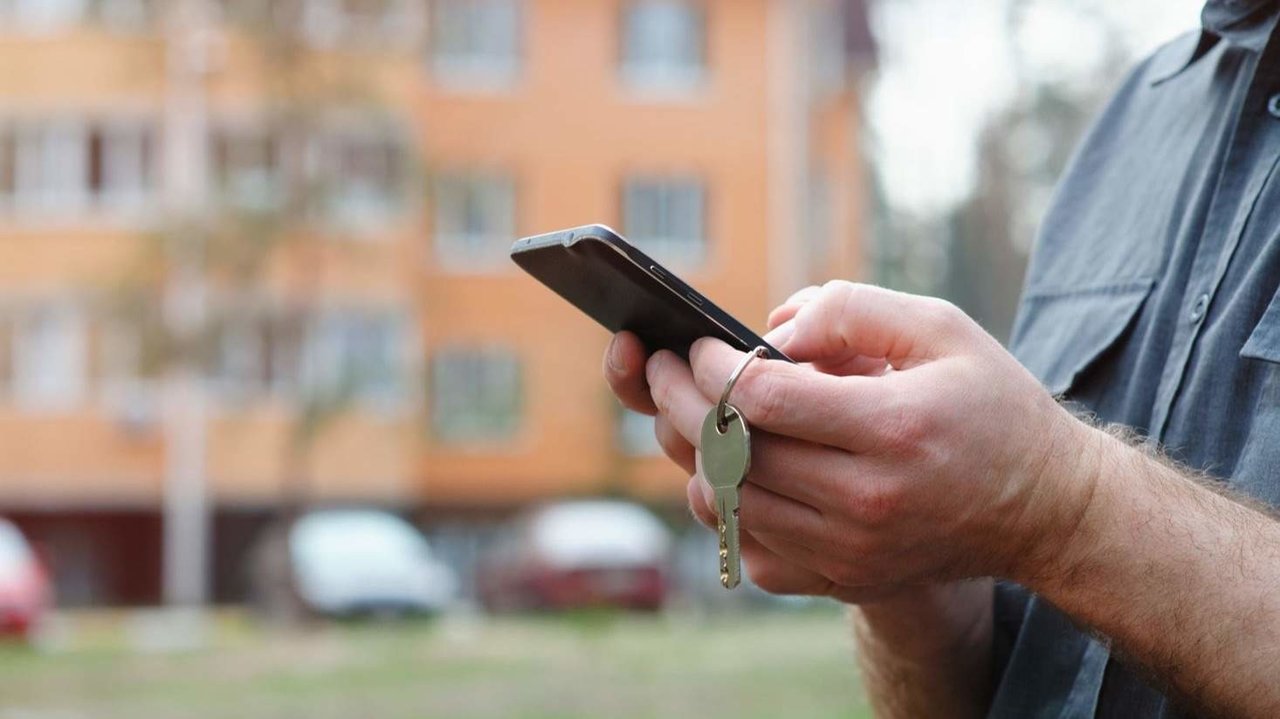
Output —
(695, 298)
(656, 272)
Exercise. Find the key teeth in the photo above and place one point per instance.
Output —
(727, 578)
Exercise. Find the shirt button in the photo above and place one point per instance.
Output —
(1273, 105)
(1198, 309)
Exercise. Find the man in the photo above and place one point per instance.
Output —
(1010, 557)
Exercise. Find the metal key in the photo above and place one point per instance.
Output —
(726, 457)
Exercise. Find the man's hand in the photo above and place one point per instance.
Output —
(928, 466)
(624, 368)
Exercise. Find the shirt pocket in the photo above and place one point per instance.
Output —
(1264, 341)
(1059, 334)
(1256, 418)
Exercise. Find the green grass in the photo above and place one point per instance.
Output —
(793, 665)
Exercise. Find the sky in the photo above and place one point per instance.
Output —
(948, 64)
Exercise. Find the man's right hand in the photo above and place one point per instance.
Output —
(624, 368)
(925, 650)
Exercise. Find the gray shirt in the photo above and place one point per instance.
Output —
(1152, 301)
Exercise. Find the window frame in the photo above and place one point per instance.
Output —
(345, 207)
(481, 427)
(473, 70)
(70, 169)
(30, 384)
(688, 253)
(454, 251)
(665, 79)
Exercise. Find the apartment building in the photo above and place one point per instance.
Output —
(722, 136)
(354, 172)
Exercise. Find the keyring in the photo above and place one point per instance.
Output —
(722, 416)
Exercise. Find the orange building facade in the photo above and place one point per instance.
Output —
(721, 135)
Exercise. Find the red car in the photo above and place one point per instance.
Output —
(579, 554)
(25, 591)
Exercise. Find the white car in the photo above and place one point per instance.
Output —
(364, 561)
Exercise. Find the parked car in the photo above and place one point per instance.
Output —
(697, 579)
(26, 592)
(352, 562)
(579, 554)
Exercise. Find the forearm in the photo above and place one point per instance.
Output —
(1183, 580)
(928, 653)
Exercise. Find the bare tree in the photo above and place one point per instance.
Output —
(248, 248)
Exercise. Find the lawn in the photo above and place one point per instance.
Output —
(788, 664)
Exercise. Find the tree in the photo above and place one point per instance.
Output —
(232, 294)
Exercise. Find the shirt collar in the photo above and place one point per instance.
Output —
(1244, 23)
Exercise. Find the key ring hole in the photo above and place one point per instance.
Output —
(723, 415)
(722, 422)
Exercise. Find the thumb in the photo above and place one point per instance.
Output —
(848, 320)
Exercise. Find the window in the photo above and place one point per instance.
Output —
(356, 354)
(363, 178)
(241, 364)
(338, 356)
(663, 43)
(476, 395)
(475, 42)
(636, 436)
(58, 168)
(353, 180)
(322, 23)
(51, 15)
(43, 15)
(127, 15)
(332, 22)
(247, 169)
(474, 220)
(49, 358)
(50, 168)
(258, 354)
(272, 15)
(664, 217)
(120, 167)
(124, 371)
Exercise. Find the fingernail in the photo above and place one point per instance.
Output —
(614, 356)
(779, 335)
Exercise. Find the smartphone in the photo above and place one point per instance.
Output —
(622, 288)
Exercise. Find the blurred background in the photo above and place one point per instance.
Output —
(284, 433)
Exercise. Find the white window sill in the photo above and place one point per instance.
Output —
(80, 220)
(360, 220)
(505, 444)
(464, 263)
(664, 84)
(477, 75)
(686, 255)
